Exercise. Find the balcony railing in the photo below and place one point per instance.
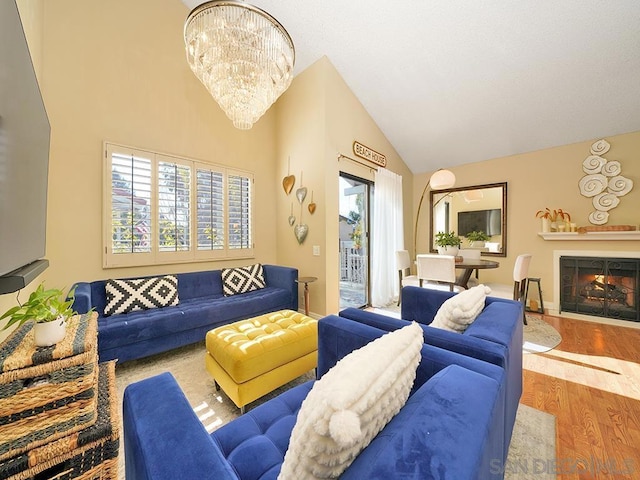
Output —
(352, 264)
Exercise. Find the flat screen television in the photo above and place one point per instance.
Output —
(489, 221)
(24, 158)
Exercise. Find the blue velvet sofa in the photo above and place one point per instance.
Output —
(202, 307)
(495, 336)
(452, 426)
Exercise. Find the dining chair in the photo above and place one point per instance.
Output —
(403, 262)
(492, 246)
(520, 275)
(470, 253)
(437, 272)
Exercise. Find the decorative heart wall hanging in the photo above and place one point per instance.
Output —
(301, 230)
(292, 219)
(289, 181)
(301, 194)
(312, 205)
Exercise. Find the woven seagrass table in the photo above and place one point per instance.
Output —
(58, 412)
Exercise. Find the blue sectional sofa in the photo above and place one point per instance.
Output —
(452, 426)
(202, 306)
(495, 336)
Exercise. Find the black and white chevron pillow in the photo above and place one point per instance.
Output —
(242, 279)
(124, 296)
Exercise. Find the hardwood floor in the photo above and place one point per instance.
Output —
(591, 383)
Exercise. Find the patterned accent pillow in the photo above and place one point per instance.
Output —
(351, 403)
(242, 279)
(124, 296)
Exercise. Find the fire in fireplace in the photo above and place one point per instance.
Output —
(605, 287)
(611, 289)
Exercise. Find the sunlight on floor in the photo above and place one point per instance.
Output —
(530, 347)
(612, 375)
(208, 416)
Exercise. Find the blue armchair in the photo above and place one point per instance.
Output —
(494, 337)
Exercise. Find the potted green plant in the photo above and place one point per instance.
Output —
(477, 238)
(49, 309)
(448, 243)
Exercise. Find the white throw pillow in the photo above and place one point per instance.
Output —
(351, 403)
(459, 311)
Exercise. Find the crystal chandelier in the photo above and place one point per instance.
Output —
(242, 55)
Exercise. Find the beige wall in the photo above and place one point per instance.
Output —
(117, 71)
(301, 114)
(348, 120)
(32, 17)
(547, 178)
(318, 119)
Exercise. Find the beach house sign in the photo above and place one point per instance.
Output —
(372, 156)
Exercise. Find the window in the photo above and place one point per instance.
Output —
(210, 194)
(164, 209)
(239, 211)
(174, 193)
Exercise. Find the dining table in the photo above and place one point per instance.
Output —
(471, 264)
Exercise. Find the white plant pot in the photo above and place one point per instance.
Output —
(546, 225)
(50, 333)
(448, 250)
(477, 244)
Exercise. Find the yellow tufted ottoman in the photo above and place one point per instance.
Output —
(253, 357)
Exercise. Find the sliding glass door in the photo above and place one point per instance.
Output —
(354, 241)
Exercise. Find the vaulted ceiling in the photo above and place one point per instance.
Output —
(458, 81)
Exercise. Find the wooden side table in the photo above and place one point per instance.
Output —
(306, 281)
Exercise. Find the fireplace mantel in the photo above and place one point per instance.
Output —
(590, 236)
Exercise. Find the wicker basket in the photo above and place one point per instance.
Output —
(47, 393)
(91, 453)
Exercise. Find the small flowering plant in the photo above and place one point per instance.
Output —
(554, 215)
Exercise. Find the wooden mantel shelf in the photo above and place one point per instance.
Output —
(590, 236)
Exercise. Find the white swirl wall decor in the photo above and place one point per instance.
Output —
(605, 201)
(620, 185)
(600, 147)
(611, 168)
(593, 164)
(592, 185)
(599, 217)
(603, 182)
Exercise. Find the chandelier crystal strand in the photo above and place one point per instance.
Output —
(242, 55)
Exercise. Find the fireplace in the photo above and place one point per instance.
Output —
(604, 287)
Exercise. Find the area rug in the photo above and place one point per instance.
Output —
(533, 438)
(532, 453)
(539, 336)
